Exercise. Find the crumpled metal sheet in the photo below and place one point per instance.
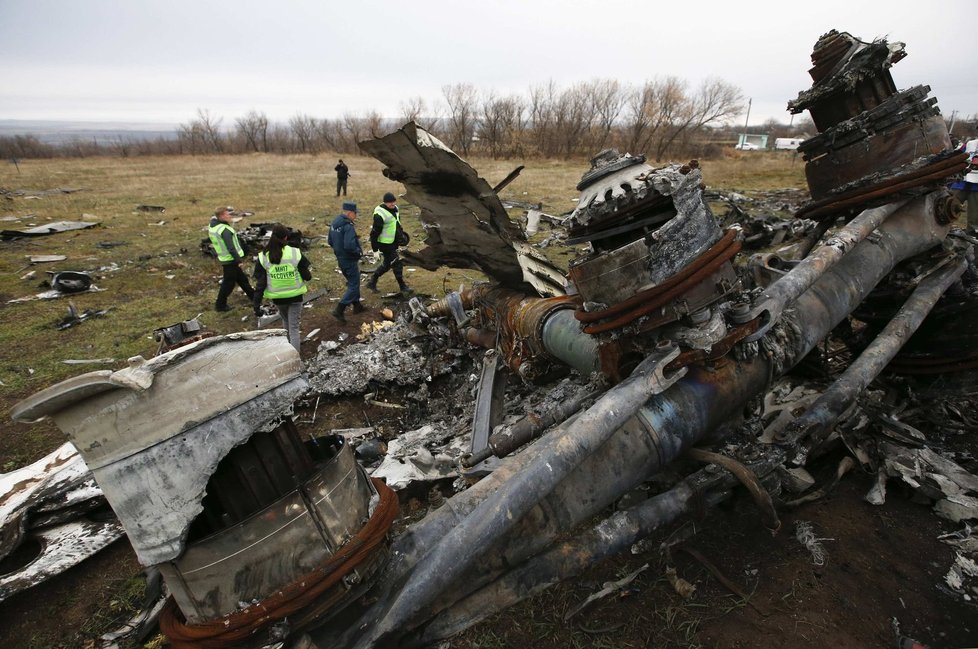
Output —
(423, 455)
(161, 427)
(59, 480)
(465, 223)
(47, 228)
(62, 547)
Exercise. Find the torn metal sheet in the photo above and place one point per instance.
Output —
(466, 225)
(75, 317)
(61, 547)
(53, 294)
(223, 397)
(940, 479)
(60, 478)
(46, 229)
(410, 457)
(44, 259)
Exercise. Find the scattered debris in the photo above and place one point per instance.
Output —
(90, 361)
(682, 587)
(151, 208)
(74, 317)
(44, 259)
(45, 230)
(609, 588)
(71, 281)
(806, 536)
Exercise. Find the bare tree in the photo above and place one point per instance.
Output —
(607, 100)
(714, 102)
(541, 108)
(374, 124)
(303, 130)
(355, 129)
(202, 134)
(253, 128)
(462, 100)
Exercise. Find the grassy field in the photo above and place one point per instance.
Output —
(153, 274)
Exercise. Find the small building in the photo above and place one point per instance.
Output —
(751, 142)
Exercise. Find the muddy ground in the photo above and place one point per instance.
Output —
(881, 575)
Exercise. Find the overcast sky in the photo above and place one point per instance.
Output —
(161, 60)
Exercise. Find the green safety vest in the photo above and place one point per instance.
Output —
(284, 279)
(217, 241)
(390, 224)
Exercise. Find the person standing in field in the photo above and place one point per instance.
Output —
(384, 237)
(342, 173)
(281, 273)
(346, 246)
(966, 189)
(230, 253)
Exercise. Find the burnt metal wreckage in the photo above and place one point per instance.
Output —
(657, 338)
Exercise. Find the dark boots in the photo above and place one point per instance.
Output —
(338, 312)
(358, 307)
(372, 284)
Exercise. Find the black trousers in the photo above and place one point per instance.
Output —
(233, 275)
(391, 261)
(340, 184)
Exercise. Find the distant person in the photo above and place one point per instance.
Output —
(342, 173)
(281, 273)
(230, 253)
(346, 246)
(966, 189)
(384, 237)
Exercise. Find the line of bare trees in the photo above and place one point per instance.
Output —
(662, 117)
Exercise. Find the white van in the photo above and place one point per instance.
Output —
(787, 143)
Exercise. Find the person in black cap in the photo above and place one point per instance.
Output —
(346, 246)
(342, 173)
(383, 237)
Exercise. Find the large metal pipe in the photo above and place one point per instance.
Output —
(819, 418)
(787, 289)
(431, 560)
(567, 559)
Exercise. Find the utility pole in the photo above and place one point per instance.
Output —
(746, 121)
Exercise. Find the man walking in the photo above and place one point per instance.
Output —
(383, 237)
(230, 253)
(342, 173)
(346, 246)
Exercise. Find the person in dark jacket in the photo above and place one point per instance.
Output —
(230, 253)
(383, 238)
(281, 273)
(346, 246)
(342, 173)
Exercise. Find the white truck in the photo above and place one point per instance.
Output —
(787, 143)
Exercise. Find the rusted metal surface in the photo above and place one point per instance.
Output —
(851, 76)
(645, 251)
(873, 140)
